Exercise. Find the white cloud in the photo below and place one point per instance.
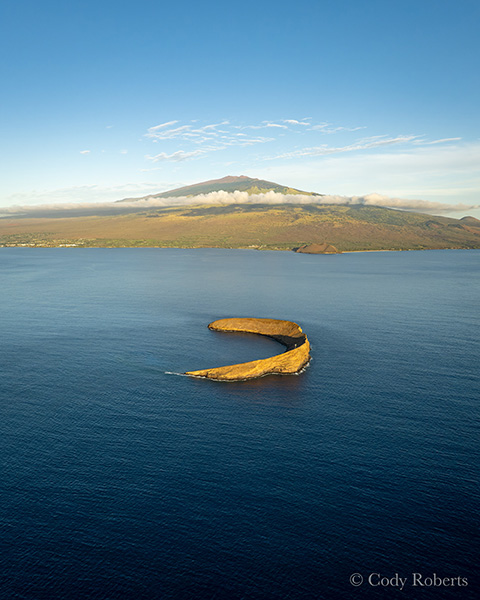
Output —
(221, 135)
(212, 137)
(225, 133)
(442, 141)
(213, 126)
(162, 126)
(222, 197)
(178, 156)
(295, 122)
(84, 151)
(163, 134)
(363, 144)
(327, 128)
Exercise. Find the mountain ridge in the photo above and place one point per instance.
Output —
(230, 183)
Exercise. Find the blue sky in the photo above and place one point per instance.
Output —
(106, 100)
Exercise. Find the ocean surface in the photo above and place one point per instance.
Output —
(121, 479)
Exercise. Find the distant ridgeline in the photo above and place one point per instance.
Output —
(307, 227)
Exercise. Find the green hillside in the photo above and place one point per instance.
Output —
(261, 226)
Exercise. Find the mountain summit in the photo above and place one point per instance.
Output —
(231, 183)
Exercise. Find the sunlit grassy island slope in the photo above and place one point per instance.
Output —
(291, 362)
(236, 212)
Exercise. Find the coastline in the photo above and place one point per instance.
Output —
(151, 247)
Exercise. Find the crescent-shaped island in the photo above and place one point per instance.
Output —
(290, 362)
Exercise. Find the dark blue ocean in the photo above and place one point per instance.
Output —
(120, 479)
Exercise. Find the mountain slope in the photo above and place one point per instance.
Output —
(230, 183)
(265, 226)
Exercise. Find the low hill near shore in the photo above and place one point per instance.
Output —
(285, 226)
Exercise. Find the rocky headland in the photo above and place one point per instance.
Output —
(318, 249)
(291, 362)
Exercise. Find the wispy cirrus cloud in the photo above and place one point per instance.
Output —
(284, 124)
(84, 151)
(423, 142)
(165, 131)
(197, 140)
(303, 122)
(363, 144)
(328, 128)
(212, 137)
(161, 126)
(159, 133)
(178, 156)
(222, 135)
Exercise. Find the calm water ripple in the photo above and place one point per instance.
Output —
(120, 480)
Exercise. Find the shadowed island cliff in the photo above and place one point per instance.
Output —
(291, 362)
(318, 249)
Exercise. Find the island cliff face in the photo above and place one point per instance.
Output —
(318, 249)
(287, 333)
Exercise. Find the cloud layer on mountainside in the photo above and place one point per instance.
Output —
(221, 197)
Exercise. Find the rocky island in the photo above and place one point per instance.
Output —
(291, 362)
(318, 249)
